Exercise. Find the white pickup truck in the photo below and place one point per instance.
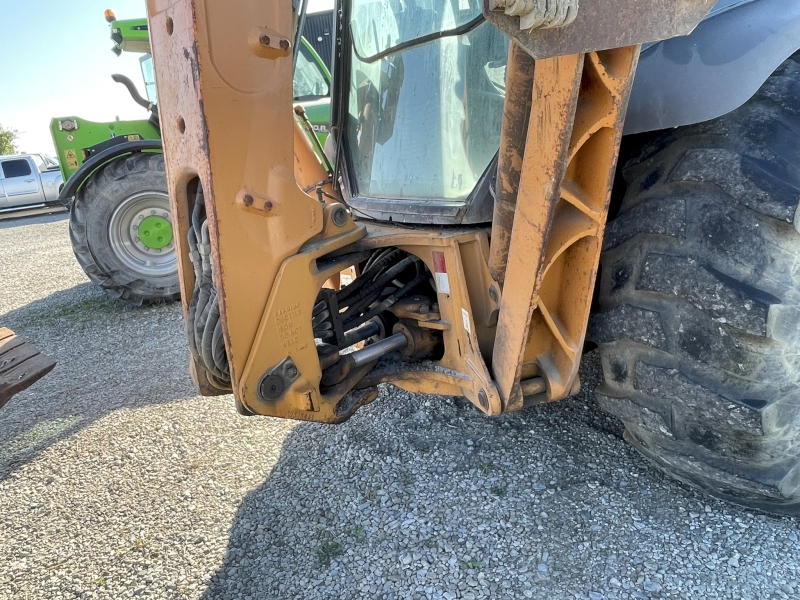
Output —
(28, 181)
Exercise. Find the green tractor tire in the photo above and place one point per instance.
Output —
(121, 230)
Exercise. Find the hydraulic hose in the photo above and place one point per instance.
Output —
(206, 340)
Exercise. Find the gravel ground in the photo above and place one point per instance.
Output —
(117, 481)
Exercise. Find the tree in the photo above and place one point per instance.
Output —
(8, 138)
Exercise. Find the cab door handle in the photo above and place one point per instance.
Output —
(29, 180)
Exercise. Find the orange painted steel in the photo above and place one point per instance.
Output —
(225, 85)
(575, 127)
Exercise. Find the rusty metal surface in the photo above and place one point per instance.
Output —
(516, 112)
(573, 138)
(605, 24)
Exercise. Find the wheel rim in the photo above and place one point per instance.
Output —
(151, 253)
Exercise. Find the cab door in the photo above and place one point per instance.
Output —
(21, 182)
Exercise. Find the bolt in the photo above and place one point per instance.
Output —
(264, 39)
(285, 44)
(268, 206)
(152, 212)
(291, 371)
(424, 309)
(248, 200)
(339, 216)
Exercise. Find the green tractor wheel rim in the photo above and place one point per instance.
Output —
(155, 232)
(141, 235)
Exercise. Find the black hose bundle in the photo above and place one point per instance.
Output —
(204, 327)
(388, 275)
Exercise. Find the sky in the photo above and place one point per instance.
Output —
(58, 63)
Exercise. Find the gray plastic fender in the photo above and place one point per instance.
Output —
(716, 68)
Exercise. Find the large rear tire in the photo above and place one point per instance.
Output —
(698, 320)
(121, 230)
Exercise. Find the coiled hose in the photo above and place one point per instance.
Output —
(206, 342)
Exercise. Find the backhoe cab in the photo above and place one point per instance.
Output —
(452, 244)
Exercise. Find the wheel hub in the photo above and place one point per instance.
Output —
(152, 231)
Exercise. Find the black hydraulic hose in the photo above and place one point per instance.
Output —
(206, 340)
(379, 262)
(319, 319)
(386, 258)
(190, 326)
(378, 257)
(377, 286)
(207, 348)
(205, 288)
(194, 256)
(382, 262)
(375, 311)
(220, 355)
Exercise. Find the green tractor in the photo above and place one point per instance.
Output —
(115, 183)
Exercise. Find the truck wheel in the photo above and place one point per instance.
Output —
(698, 320)
(121, 230)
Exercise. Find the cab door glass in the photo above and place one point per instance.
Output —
(309, 80)
(16, 168)
(149, 76)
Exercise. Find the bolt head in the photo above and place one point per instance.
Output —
(264, 40)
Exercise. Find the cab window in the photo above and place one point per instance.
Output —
(309, 80)
(16, 168)
(149, 76)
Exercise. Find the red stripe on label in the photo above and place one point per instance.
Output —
(439, 265)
